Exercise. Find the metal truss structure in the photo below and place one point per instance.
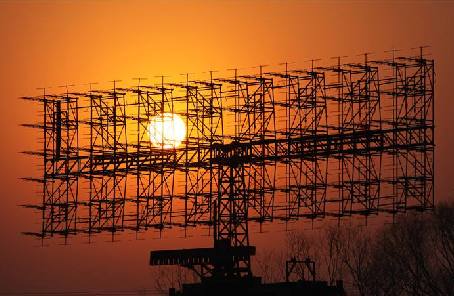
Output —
(341, 140)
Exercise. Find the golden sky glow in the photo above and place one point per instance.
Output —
(55, 43)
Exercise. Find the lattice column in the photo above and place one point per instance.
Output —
(61, 165)
(360, 113)
(306, 119)
(232, 212)
(255, 121)
(414, 132)
(204, 130)
(156, 166)
(108, 160)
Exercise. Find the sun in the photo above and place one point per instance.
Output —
(166, 130)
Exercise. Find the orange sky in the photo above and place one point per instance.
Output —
(53, 43)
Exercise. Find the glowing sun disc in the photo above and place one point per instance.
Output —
(166, 130)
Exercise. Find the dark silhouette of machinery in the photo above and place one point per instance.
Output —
(220, 273)
(328, 141)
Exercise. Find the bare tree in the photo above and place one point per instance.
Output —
(406, 245)
(300, 245)
(355, 248)
(443, 238)
(329, 242)
(414, 256)
(165, 277)
(270, 265)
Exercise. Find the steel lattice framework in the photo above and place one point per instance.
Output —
(347, 139)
